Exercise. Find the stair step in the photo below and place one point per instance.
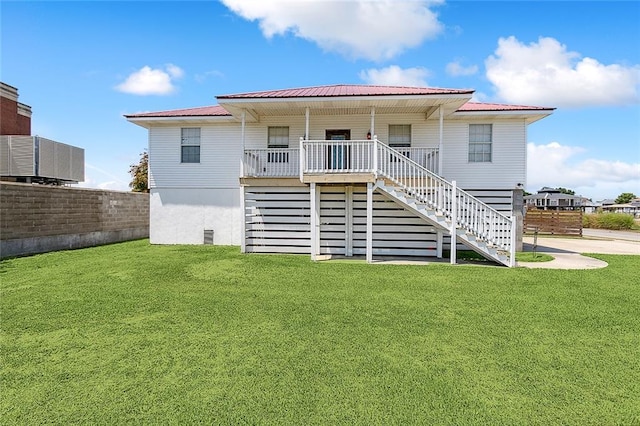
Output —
(438, 219)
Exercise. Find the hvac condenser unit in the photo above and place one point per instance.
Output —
(37, 159)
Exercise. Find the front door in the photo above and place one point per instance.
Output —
(338, 155)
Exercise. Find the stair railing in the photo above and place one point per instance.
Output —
(466, 211)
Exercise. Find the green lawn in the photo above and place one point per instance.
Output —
(133, 333)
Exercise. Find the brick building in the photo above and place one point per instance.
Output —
(15, 117)
(30, 158)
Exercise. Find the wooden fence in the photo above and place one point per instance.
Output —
(553, 222)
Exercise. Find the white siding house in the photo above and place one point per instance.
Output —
(341, 170)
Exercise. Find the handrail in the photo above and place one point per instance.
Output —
(356, 156)
(348, 156)
(468, 212)
(398, 165)
(271, 162)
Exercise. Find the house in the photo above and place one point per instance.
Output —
(553, 199)
(15, 117)
(590, 207)
(341, 170)
(631, 208)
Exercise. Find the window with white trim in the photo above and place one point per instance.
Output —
(480, 141)
(190, 145)
(278, 138)
(400, 135)
(399, 138)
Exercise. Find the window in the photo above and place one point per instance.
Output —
(480, 138)
(190, 145)
(278, 138)
(400, 135)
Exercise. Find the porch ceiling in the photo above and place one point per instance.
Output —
(257, 108)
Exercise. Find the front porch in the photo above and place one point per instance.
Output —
(326, 161)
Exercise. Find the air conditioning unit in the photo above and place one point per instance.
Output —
(40, 160)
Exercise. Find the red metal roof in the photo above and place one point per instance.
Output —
(346, 90)
(206, 111)
(479, 106)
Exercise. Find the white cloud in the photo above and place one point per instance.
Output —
(396, 76)
(546, 73)
(457, 69)
(111, 185)
(97, 178)
(149, 81)
(554, 165)
(200, 78)
(174, 71)
(369, 29)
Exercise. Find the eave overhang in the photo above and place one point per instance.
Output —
(343, 105)
(148, 122)
(529, 115)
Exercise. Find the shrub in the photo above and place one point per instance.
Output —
(590, 220)
(608, 221)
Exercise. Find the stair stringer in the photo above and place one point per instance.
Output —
(432, 217)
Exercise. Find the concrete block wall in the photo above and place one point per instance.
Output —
(42, 218)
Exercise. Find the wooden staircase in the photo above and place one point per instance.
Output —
(465, 218)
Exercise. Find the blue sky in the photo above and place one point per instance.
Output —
(81, 65)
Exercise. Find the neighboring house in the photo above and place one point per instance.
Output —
(341, 170)
(589, 206)
(15, 117)
(632, 208)
(553, 199)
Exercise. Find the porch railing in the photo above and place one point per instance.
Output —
(272, 162)
(353, 156)
(464, 210)
(414, 170)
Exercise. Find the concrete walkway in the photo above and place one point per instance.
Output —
(567, 252)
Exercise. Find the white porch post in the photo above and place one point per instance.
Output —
(315, 220)
(375, 156)
(305, 137)
(514, 236)
(242, 138)
(454, 220)
(369, 222)
(301, 160)
(243, 221)
(375, 141)
(243, 213)
(306, 124)
(440, 139)
(348, 232)
(439, 243)
(373, 121)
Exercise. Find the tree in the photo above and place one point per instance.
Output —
(625, 197)
(566, 191)
(139, 173)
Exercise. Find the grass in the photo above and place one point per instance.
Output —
(133, 333)
(533, 257)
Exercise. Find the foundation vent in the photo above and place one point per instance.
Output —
(208, 236)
